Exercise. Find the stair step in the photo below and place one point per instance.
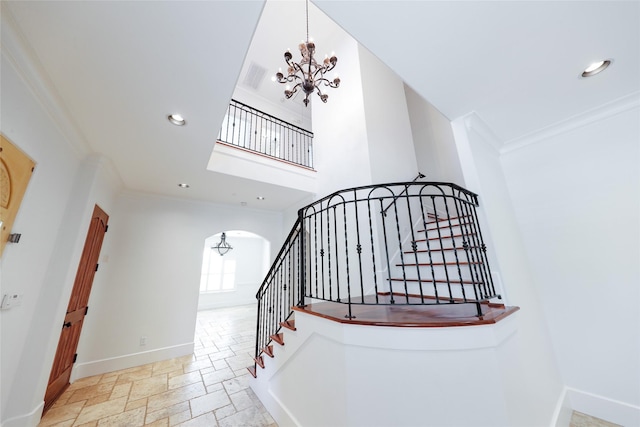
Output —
(445, 218)
(445, 237)
(279, 338)
(429, 297)
(446, 226)
(252, 371)
(453, 282)
(426, 264)
(259, 361)
(289, 324)
(424, 251)
(268, 350)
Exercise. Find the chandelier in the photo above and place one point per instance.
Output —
(223, 247)
(307, 74)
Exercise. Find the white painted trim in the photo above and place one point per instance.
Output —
(31, 419)
(562, 413)
(602, 112)
(117, 363)
(602, 407)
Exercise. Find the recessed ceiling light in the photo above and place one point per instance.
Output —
(183, 185)
(260, 198)
(595, 68)
(177, 119)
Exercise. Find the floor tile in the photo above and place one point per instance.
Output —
(175, 396)
(166, 412)
(101, 410)
(206, 388)
(209, 402)
(206, 420)
(133, 418)
(148, 387)
(56, 416)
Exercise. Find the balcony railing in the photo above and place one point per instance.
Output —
(253, 130)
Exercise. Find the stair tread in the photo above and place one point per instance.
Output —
(252, 371)
(259, 361)
(445, 218)
(453, 282)
(279, 338)
(445, 237)
(426, 264)
(289, 324)
(445, 226)
(438, 249)
(268, 350)
(433, 297)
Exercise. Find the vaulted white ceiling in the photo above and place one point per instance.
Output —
(119, 67)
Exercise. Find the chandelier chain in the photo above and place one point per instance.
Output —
(306, 10)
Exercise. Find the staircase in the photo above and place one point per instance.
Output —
(442, 264)
(407, 253)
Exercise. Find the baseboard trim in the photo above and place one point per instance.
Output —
(562, 413)
(31, 419)
(601, 407)
(111, 364)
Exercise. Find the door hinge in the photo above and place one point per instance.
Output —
(106, 228)
(86, 310)
(75, 357)
(97, 265)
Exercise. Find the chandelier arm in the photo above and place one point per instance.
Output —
(292, 91)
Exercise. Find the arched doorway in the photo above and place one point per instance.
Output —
(233, 278)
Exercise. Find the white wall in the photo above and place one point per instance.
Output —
(151, 278)
(341, 150)
(387, 376)
(390, 142)
(532, 398)
(576, 199)
(435, 147)
(53, 219)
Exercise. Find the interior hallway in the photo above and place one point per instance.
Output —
(208, 389)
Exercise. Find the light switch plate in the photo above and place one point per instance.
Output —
(10, 300)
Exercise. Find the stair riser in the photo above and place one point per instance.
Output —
(446, 223)
(458, 256)
(428, 289)
(446, 243)
(439, 272)
(447, 231)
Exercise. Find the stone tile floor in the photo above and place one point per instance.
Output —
(209, 388)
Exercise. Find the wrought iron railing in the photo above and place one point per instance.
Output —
(251, 129)
(408, 243)
(279, 291)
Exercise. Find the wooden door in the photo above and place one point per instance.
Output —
(77, 309)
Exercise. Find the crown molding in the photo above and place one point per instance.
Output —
(16, 49)
(610, 109)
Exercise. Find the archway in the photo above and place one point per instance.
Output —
(233, 278)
